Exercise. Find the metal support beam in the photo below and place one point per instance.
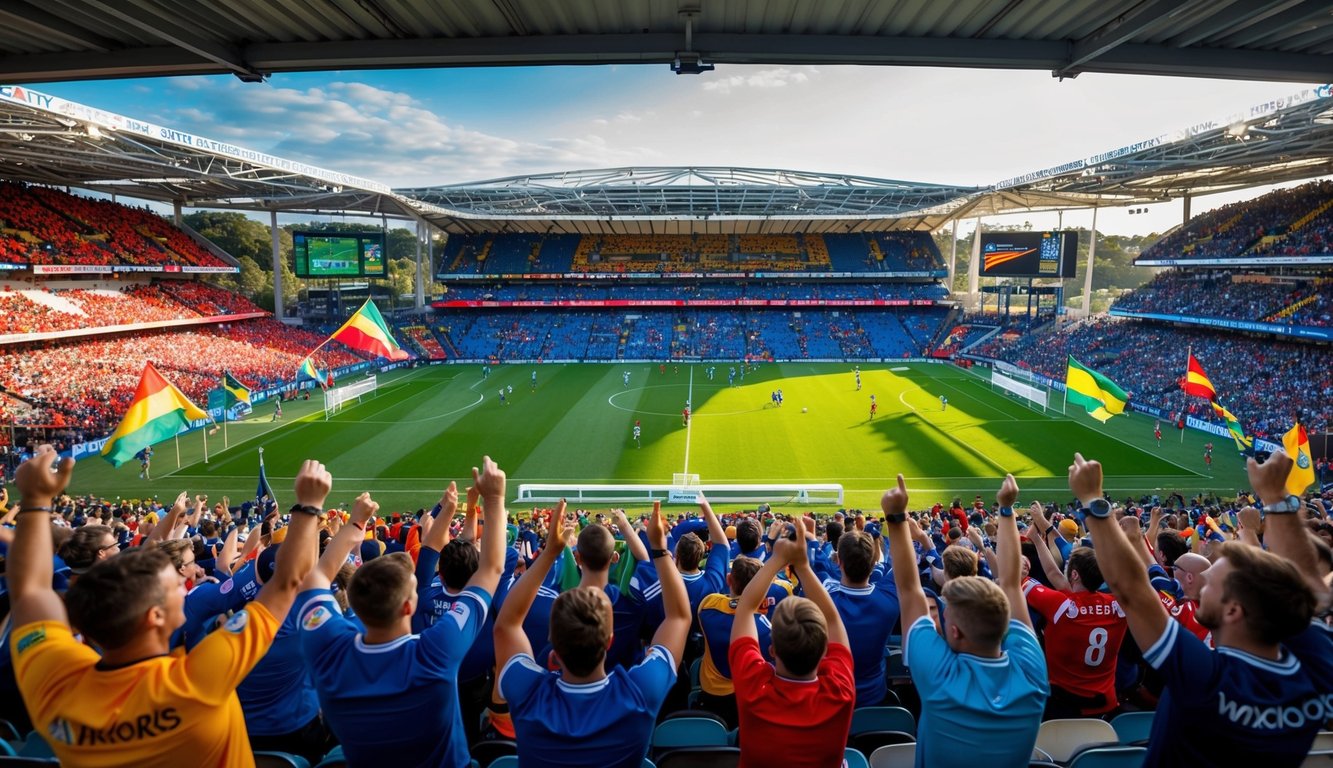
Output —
(134, 14)
(1092, 256)
(953, 253)
(277, 266)
(1118, 31)
(974, 269)
(421, 269)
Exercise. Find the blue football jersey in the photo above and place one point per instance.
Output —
(368, 692)
(607, 723)
(869, 614)
(1229, 707)
(277, 697)
(207, 601)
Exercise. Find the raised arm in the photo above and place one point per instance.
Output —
(227, 554)
(1154, 524)
(1045, 530)
(437, 538)
(165, 526)
(911, 600)
(1048, 562)
(468, 532)
(1122, 569)
(632, 541)
(717, 535)
(795, 554)
(1008, 552)
(673, 630)
(510, 639)
(1251, 527)
(1285, 533)
(29, 564)
(490, 483)
(342, 544)
(300, 550)
(742, 623)
(1134, 534)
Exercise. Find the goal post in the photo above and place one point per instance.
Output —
(339, 397)
(1029, 392)
(682, 493)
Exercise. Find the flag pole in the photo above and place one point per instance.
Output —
(1189, 353)
(225, 445)
(177, 438)
(1064, 404)
(204, 429)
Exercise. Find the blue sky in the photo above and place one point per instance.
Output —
(422, 127)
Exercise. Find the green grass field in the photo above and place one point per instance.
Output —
(429, 425)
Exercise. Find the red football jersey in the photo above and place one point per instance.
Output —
(1183, 612)
(1083, 635)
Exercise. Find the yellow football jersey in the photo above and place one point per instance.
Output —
(172, 710)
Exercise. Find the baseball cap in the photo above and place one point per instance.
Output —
(371, 549)
(267, 563)
(1068, 527)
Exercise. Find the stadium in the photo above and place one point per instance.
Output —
(786, 343)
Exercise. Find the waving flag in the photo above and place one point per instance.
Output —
(1297, 446)
(236, 391)
(158, 411)
(1197, 383)
(367, 332)
(1101, 397)
(308, 372)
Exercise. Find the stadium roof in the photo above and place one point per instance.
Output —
(49, 40)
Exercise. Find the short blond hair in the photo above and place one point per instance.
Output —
(978, 607)
(800, 635)
(959, 562)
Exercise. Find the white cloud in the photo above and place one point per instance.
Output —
(764, 79)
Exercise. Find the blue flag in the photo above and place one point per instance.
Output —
(264, 492)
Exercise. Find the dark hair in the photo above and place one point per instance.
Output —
(108, 602)
(1277, 602)
(379, 588)
(689, 551)
(747, 534)
(581, 629)
(1083, 561)
(83, 546)
(596, 545)
(1171, 546)
(856, 556)
(458, 561)
(833, 531)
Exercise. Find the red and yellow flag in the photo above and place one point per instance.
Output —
(1297, 446)
(1196, 381)
(367, 332)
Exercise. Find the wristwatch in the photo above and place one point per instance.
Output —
(1098, 508)
(1006, 511)
(895, 517)
(656, 553)
(1285, 507)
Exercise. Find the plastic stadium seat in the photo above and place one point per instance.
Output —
(678, 714)
(694, 673)
(1060, 739)
(688, 732)
(9, 733)
(894, 756)
(701, 757)
(882, 719)
(36, 746)
(867, 742)
(279, 760)
(7, 749)
(1320, 759)
(1109, 757)
(505, 761)
(334, 759)
(1322, 742)
(1133, 727)
(852, 758)
(487, 752)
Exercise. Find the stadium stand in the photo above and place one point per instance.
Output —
(1286, 222)
(41, 225)
(49, 309)
(1235, 296)
(1148, 361)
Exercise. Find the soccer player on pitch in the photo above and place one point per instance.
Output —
(1262, 695)
(637, 434)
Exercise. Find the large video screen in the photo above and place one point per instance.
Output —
(1028, 254)
(338, 254)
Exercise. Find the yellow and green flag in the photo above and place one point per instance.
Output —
(236, 391)
(158, 411)
(1100, 396)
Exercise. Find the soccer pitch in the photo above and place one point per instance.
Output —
(432, 424)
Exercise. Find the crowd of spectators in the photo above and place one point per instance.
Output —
(517, 253)
(42, 225)
(1265, 383)
(657, 334)
(1232, 230)
(86, 385)
(732, 291)
(1195, 293)
(959, 633)
(45, 310)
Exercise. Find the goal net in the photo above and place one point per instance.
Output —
(340, 397)
(1029, 392)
